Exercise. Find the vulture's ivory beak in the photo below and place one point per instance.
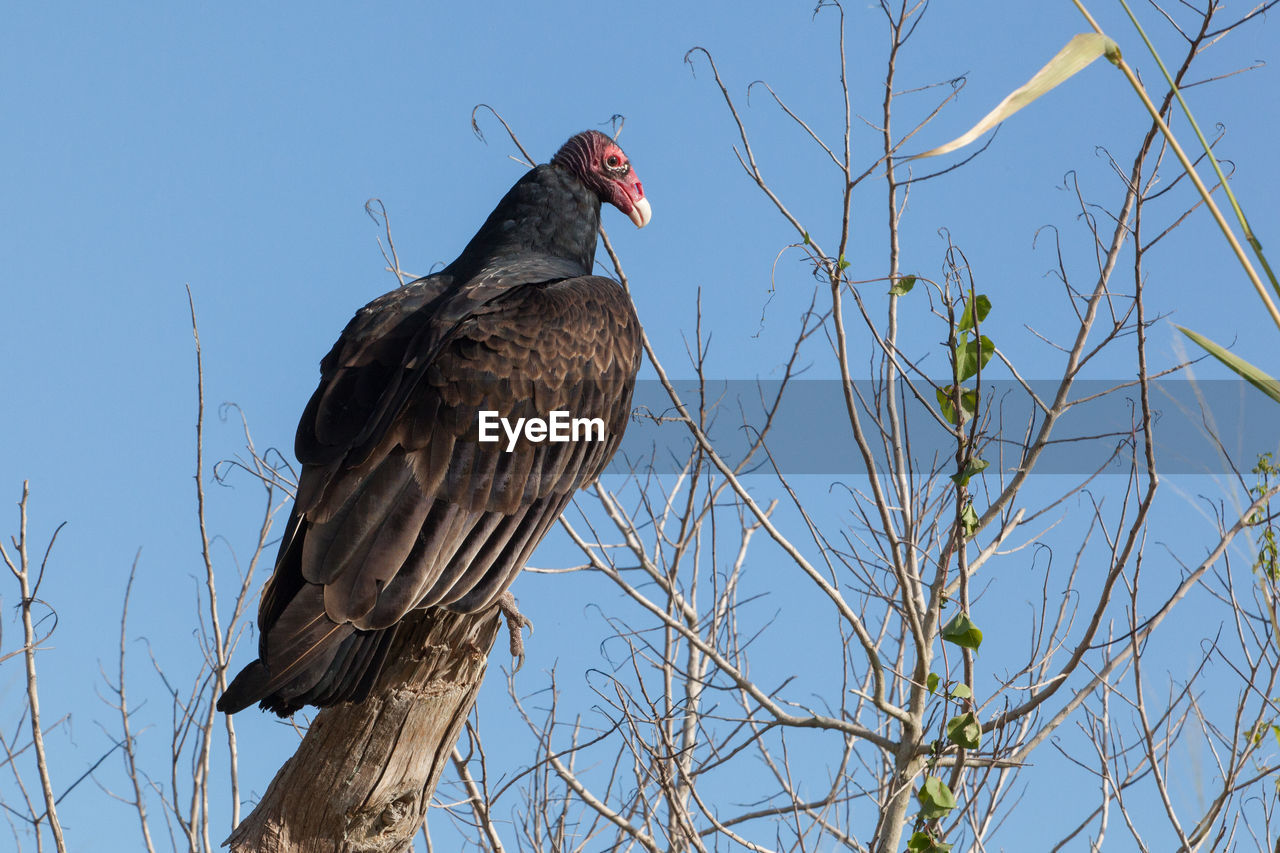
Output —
(641, 212)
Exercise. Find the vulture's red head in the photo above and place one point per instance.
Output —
(599, 163)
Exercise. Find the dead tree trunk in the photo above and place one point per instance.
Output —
(364, 775)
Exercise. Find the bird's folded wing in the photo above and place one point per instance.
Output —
(418, 511)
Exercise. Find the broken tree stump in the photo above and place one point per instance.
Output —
(363, 777)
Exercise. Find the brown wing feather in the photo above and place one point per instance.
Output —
(399, 503)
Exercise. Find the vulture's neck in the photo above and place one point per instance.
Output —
(548, 212)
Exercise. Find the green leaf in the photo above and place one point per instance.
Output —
(1255, 376)
(965, 730)
(972, 355)
(983, 304)
(969, 520)
(961, 631)
(968, 403)
(932, 682)
(935, 798)
(974, 466)
(1075, 57)
(920, 841)
(903, 286)
(943, 396)
(961, 691)
(807, 241)
(925, 843)
(843, 264)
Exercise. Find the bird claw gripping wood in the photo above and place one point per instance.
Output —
(515, 622)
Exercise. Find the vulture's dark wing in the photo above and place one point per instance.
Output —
(399, 504)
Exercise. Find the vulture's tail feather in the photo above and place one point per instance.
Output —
(345, 675)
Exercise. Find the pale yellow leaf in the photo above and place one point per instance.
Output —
(1079, 52)
(1256, 376)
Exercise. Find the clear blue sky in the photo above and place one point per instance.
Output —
(232, 149)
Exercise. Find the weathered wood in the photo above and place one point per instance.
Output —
(364, 775)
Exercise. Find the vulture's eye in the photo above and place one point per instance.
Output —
(613, 162)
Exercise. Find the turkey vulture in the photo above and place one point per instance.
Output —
(400, 504)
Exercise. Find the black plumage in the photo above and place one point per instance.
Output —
(400, 505)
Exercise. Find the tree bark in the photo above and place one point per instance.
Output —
(363, 777)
